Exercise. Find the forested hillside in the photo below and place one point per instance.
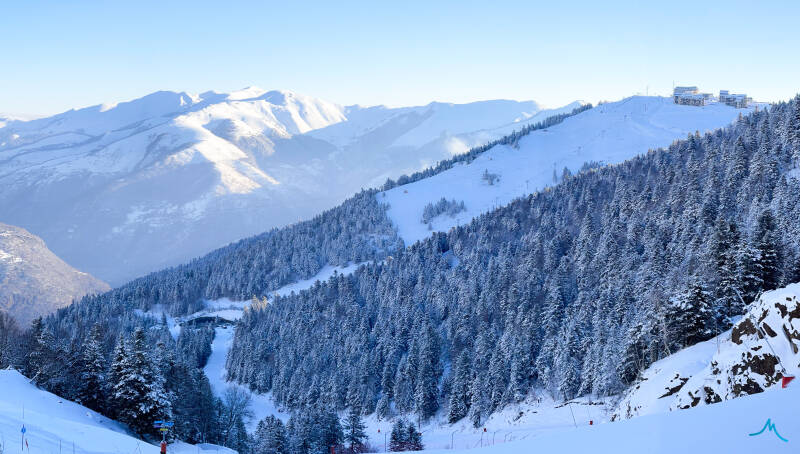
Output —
(355, 231)
(572, 290)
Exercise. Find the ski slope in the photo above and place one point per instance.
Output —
(515, 422)
(55, 425)
(723, 428)
(51, 421)
(609, 133)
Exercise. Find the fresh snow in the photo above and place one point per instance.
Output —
(723, 427)
(262, 405)
(609, 133)
(53, 424)
(522, 421)
(646, 396)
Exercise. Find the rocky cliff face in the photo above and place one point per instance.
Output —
(33, 280)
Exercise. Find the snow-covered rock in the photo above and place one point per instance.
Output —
(124, 189)
(753, 356)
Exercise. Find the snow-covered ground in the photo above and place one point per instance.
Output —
(54, 424)
(262, 405)
(522, 421)
(609, 133)
(646, 396)
(719, 428)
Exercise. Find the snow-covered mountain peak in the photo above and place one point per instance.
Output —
(171, 175)
(246, 93)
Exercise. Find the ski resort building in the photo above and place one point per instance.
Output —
(677, 91)
(733, 99)
(690, 96)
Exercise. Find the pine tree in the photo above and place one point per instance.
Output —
(44, 361)
(793, 134)
(354, 431)
(426, 391)
(270, 437)
(480, 405)
(138, 387)
(398, 440)
(697, 315)
(768, 260)
(459, 391)
(725, 244)
(92, 391)
(383, 409)
(32, 343)
(414, 439)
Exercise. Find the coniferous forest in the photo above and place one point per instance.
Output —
(570, 291)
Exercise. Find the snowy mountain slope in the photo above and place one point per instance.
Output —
(33, 280)
(610, 133)
(121, 190)
(54, 424)
(724, 427)
(747, 360)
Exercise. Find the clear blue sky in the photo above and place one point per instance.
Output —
(62, 54)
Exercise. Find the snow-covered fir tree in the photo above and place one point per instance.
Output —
(355, 436)
(138, 387)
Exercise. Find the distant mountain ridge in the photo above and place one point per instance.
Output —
(33, 281)
(123, 189)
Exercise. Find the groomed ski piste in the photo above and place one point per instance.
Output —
(754, 424)
(56, 425)
(609, 134)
